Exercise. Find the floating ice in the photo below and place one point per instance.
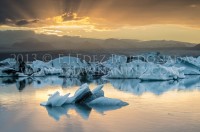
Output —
(114, 61)
(83, 96)
(145, 71)
(191, 65)
(56, 100)
(104, 101)
(117, 67)
(80, 95)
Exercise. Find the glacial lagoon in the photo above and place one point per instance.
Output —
(154, 106)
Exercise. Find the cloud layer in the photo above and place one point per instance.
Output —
(104, 13)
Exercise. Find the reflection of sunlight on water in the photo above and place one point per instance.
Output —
(43, 94)
(114, 93)
(72, 112)
(171, 109)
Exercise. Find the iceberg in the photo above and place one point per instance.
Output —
(97, 69)
(56, 100)
(83, 96)
(80, 95)
(116, 67)
(96, 93)
(37, 64)
(6, 71)
(115, 61)
(104, 101)
(83, 104)
(127, 70)
(63, 66)
(9, 62)
(66, 61)
(162, 73)
(191, 65)
(145, 71)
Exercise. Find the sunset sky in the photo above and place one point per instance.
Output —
(129, 19)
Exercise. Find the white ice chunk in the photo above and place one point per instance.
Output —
(56, 100)
(104, 101)
(83, 96)
(97, 89)
(191, 65)
(80, 93)
(66, 62)
(59, 101)
(115, 60)
(145, 71)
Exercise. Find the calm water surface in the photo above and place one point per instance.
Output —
(153, 106)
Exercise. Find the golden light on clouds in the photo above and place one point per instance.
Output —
(129, 19)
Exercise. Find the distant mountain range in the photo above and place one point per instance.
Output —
(32, 44)
(39, 42)
(196, 47)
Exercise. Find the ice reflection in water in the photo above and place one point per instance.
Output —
(57, 112)
(134, 86)
(83, 110)
(41, 82)
(139, 87)
(153, 106)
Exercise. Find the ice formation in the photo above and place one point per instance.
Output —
(104, 101)
(56, 100)
(115, 61)
(138, 87)
(117, 67)
(83, 96)
(63, 66)
(191, 65)
(145, 71)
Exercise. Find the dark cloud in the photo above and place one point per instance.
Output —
(25, 22)
(22, 22)
(16, 10)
